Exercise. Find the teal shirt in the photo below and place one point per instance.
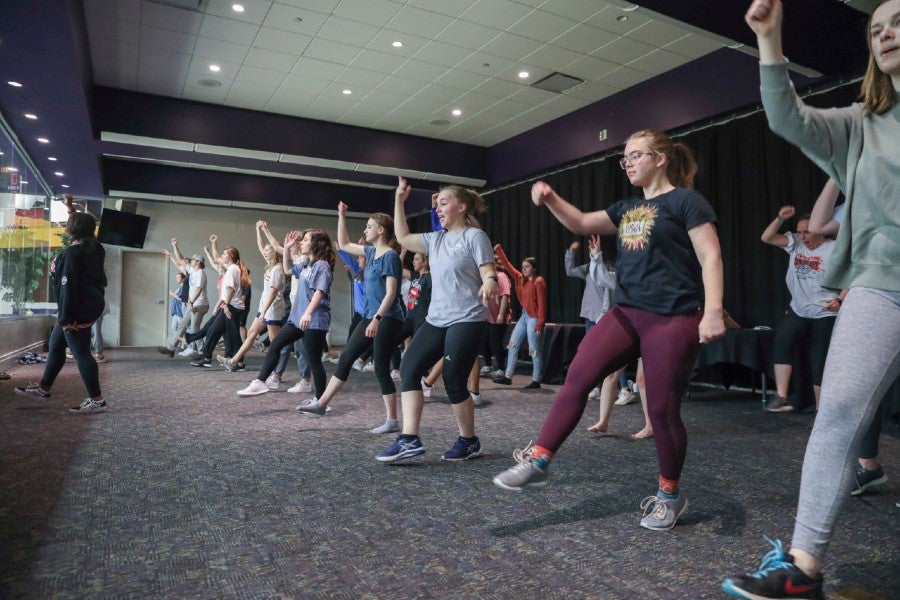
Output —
(861, 151)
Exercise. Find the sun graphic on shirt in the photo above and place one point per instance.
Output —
(635, 227)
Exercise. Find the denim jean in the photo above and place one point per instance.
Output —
(525, 328)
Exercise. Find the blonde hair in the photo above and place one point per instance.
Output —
(877, 89)
(681, 167)
(469, 198)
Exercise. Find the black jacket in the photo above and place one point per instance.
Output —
(80, 283)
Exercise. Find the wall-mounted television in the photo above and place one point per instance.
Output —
(122, 228)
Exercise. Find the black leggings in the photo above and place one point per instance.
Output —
(215, 328)
(313, 343)
(493, 345)
(382, 345)
(79, 341)
(458, 344)
(794, 329)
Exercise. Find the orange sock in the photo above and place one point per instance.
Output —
(541, 456)
(668, 486)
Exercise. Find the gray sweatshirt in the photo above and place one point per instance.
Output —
(600, 283)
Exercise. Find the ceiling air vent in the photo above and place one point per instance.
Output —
(557, 82)
(195, 5)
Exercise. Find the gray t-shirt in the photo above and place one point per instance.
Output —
(455, 278)
(804, 277)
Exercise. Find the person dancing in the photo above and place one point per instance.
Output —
(859, 147)
(667, 243)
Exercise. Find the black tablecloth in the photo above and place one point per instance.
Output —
(559, 343)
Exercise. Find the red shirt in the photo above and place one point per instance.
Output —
(532, 293)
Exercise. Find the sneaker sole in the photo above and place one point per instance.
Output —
(732, 590)
(674, 522)
(859, 491)
(468, 457)
(402, 456)
(538, 484)
(293, 390)
(28, 395)
(76, 411)
(245, 394)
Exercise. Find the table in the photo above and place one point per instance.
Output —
(559, 343)
(750, 348)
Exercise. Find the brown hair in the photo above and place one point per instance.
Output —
(469, 198)
(235, 257)
(81, 226)
(681, 167)
(322, 248)
(534, 265)
(877, 90)
(387, 221)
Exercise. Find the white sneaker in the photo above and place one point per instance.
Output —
(625, 397)
(89, 406)
(426, 389)
(255, 388)
(272, 382)
(395, 375)
(187, 353)
(369, 368)
(499, 373)
(485, 371)
(302, 387)
(358, 364)
(476, 399)
(595, 393)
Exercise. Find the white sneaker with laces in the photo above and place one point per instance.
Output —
(89, 406)
(187, 353)
(499, 373)
(272, 382)
(595, 393)
(395, 375)
(301, 387)
(358, 364)
(476, 399)
(625, 397)
(485, 371)
(369, 368)
(255, 388)
(426, 389)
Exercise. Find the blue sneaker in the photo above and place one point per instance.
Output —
(463, 450)
(777, 577)
(401, 449)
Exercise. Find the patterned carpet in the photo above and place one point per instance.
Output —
(184, 490)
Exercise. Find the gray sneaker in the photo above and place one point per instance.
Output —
(89, 406)
(661, 514)
(315, 407)
(389, 426)
(524, 474)
(32, 390)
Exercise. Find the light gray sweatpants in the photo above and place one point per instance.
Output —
(863, 362)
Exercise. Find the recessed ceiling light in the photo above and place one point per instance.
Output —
(14, 83)
(43, 140)
(397, 44)
(622, 18)
(456, 112)
(215, 68)
(65, 186)
(13, 169)
(347, 92)
(524, 74)
(30, 116)
(51, 158)
(238, 8)
(59, 173)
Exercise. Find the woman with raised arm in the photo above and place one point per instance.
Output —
(383, 316)
(271, 303)
(859, 147)
(668, 302)
(80, 281)
(463, 276)
(310, 317)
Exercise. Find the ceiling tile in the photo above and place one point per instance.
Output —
(254, 10)
(577, 10)
(657, 33)
(199, 70)
(511, 75)
(543, 26)
(498, 14)
(348, 32)
(467, 35)
(459, 79)
(161, 82)
(258, 57)
(423, 22)
(584, 38)
(384, 39)
(326, 109)
(254, 97)
(373, 12)
(552, 57)
(228, 30)
(166, 59)
(474, 102)
(442, 54)
(289, 102)
(360, 77)
(502, 111)
(170, 17)
(476, 62)
(592, 91)
(305, 84)
(371, 112)
(452, 8)
(589, 67)
(331, 51)
(623, 77)
(623, 50)
(100, 27)
(658, 62)
(281, 41)
(420, 70)
(154, 37)
(377, 61)
(532, 96)
(385, 98)
(219, 50)
(251, 75)
(498, 88)
(443, 93)
(511, 46)
(608, 20)
(420, 106)
(565, 104)
(202, 94)
(320, 69)
(282, 16)
(693, 46)
(322, 6)
(401, 85)
(128, 10)
(399, 120)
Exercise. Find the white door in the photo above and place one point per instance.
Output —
(144, 293)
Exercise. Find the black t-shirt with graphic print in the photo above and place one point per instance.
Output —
(656, 265)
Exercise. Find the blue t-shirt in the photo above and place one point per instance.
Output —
(310, 279)
(386, 265)
(656, 265)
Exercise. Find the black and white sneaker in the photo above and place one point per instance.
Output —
(32, 390)
(89, 406)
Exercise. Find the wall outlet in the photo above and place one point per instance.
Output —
(602, 135)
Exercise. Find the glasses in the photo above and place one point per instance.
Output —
(632, 158)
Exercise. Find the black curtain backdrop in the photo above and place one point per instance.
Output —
(746, 173)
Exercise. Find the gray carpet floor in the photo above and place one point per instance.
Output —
(184, 490)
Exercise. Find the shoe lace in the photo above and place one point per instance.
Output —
(774, 560)
(654, 505)
(523, 455)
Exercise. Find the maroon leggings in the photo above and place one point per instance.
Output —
(668, 346)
